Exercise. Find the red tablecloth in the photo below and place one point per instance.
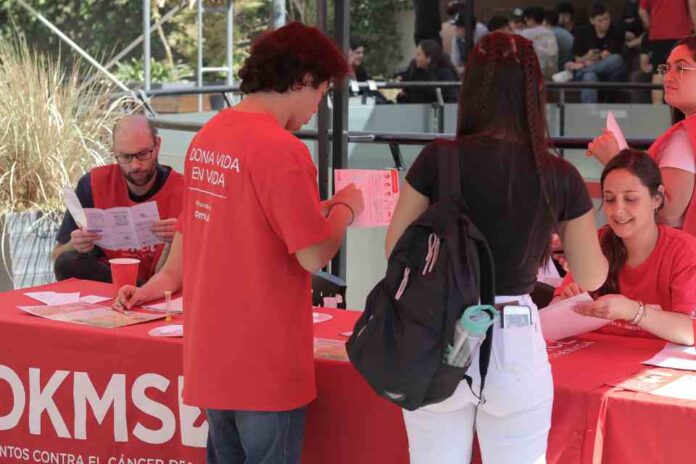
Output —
(60, 372)
(53, 366)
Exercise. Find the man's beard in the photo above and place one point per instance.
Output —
(139, 182)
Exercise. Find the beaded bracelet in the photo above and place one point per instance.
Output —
(639, 314)
(352, 214)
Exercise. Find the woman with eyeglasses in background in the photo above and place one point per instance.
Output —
(675, 150)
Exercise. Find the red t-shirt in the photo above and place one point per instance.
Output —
(251, 202)
(669, 19)
(666, 278)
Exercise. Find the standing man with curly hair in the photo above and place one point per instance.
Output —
(251, 231)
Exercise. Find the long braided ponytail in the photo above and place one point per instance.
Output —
(508, 64)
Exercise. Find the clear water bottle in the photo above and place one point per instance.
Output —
(469, 333)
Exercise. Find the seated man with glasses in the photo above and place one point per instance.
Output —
(135, 177)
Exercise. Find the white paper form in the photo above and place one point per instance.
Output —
(675, 357)
(121, 228)
(54, 298)
(683, 388)
(615, 129)
(380, 189)
(57, 298)
(560, 321)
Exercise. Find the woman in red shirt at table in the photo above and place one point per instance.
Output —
(675, 150)
(651, 288)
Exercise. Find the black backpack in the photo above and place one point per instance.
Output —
(440, 266)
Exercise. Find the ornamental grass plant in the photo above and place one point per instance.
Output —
(55, 125)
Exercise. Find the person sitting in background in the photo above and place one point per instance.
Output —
(356, 55)
(633, 43)
(135, 177)
(429, 64)
(543, 38)
(499, 24)
(564, 38)
(458, 51)
(566, 16)
(651, 287)
(644, 73)
(597, 51)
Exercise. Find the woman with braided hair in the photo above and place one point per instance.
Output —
(517, 192)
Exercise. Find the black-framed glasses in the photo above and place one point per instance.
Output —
(127, 158)
(663, 69)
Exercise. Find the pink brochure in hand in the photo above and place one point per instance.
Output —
(615, 129)
(380, 189)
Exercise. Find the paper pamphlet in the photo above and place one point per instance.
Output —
(683, 388)
(177, 306)
(615, 129)
(330, 349)
(675, 357)
(560, 321)
(662, 382)
(56, 298)
(89, 314)
(380, 191)
(121, 228)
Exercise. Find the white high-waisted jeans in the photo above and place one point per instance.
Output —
(512, 425)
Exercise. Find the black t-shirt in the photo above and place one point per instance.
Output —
(423, 95)
(586, 39)
(502, 190)
(84, 194)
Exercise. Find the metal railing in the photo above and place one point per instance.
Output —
(438, 105)
(402, 138)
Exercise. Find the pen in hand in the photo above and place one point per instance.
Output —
(119, 307)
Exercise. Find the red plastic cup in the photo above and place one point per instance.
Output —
(124, 271)
(693, 319)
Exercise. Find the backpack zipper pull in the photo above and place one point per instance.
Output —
(404, 283)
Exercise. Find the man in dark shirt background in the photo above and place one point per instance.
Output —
(597, 49)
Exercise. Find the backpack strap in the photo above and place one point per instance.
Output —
(449, 177)
(487, 286)
(448, 169)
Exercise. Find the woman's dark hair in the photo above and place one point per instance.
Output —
(438, 57)
(690, 43)
(502, 95)
(641, 165)
(280, 60)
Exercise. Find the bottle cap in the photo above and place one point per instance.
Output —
(477, 319)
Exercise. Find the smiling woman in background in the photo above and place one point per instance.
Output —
(651, 287)
(675, 150)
